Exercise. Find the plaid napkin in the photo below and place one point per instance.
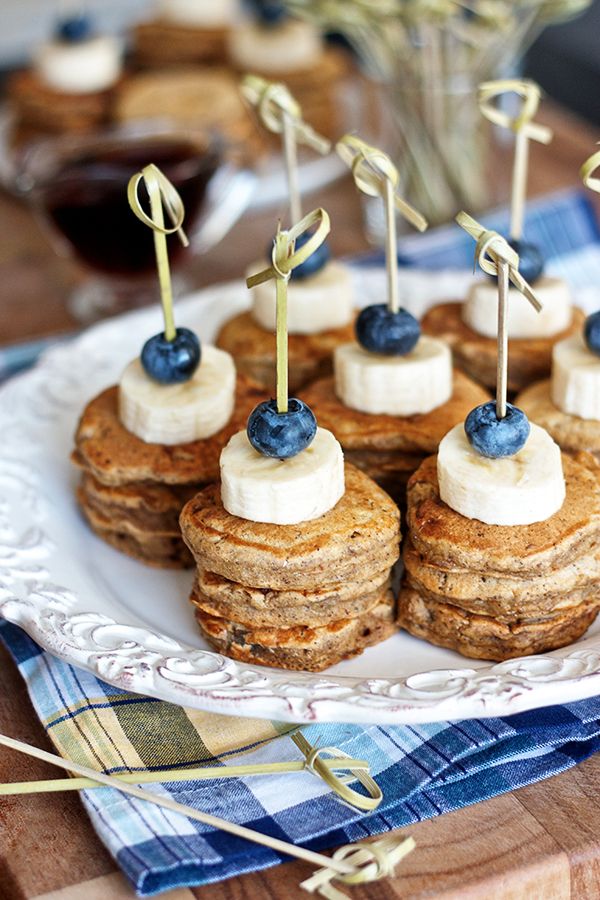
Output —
(423, 770)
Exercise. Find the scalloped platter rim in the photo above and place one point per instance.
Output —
(132, 627)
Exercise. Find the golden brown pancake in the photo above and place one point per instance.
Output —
(159, 43)
(115, 456)
(529, 359)
(152, 508)
(160, 550)
(448, 539)
(39, 109)
(358, 538)
(483, 637)
(254, 607)
(310, 356)
(570, 432)
(300, 647)
(505, 597)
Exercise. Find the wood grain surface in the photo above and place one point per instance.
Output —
(542, 841)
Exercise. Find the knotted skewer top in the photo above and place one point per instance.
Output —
(493, 250)
(525, 130)
(373, 170)
(273, 101)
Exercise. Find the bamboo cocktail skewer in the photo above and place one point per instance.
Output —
(525, 130)
(375, 174)
(281, 113)
(160, 191)
(496, 257)
(285, 258)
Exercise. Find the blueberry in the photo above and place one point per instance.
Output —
(591, 332)
(281, 435)
(171, 362)
(531, 261)
(381, 331)
(313, 264)
(494, 437)
(78, 28)
(269, 12)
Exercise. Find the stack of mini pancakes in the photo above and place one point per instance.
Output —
(132, 492)
(495, 592)
(296, 596)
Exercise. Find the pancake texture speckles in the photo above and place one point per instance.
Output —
(116, 456)
(414, 436)
(483, 637)
(446, 538)
(356, 539)
(306, 648)
(132, 492)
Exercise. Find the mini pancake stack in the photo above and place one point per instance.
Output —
(302, 596)
(131, 492)
(294, 548)
(495, 592)
(184, 32)
(502, 557)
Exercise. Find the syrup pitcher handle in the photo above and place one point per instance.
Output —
(228, 196)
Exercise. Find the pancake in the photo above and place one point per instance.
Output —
(414, 436)
(505, 597)
(161, 551)
(43, 109)
(160, 42)
(115, 456)
(300, 647)
(529, 360)
(152, 508)
(217, 596)
(356, 539)
(570, 432)
(482, 637)
(310, 356)
(448, 539)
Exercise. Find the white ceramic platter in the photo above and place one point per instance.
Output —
(133, 627)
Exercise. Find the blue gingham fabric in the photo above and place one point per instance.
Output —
(423, 771)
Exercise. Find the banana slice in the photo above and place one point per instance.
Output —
(283, 492)
(394, 385)
(81, 67)
(293, 46)
(319, 303)
(200, 15)
(576, 378)
(480, 310)
(179, 413)
(517, 490)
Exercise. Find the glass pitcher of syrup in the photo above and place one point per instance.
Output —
(78, 187)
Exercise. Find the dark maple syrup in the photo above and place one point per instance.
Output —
(86, 200)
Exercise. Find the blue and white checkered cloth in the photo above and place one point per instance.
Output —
(423, 771)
